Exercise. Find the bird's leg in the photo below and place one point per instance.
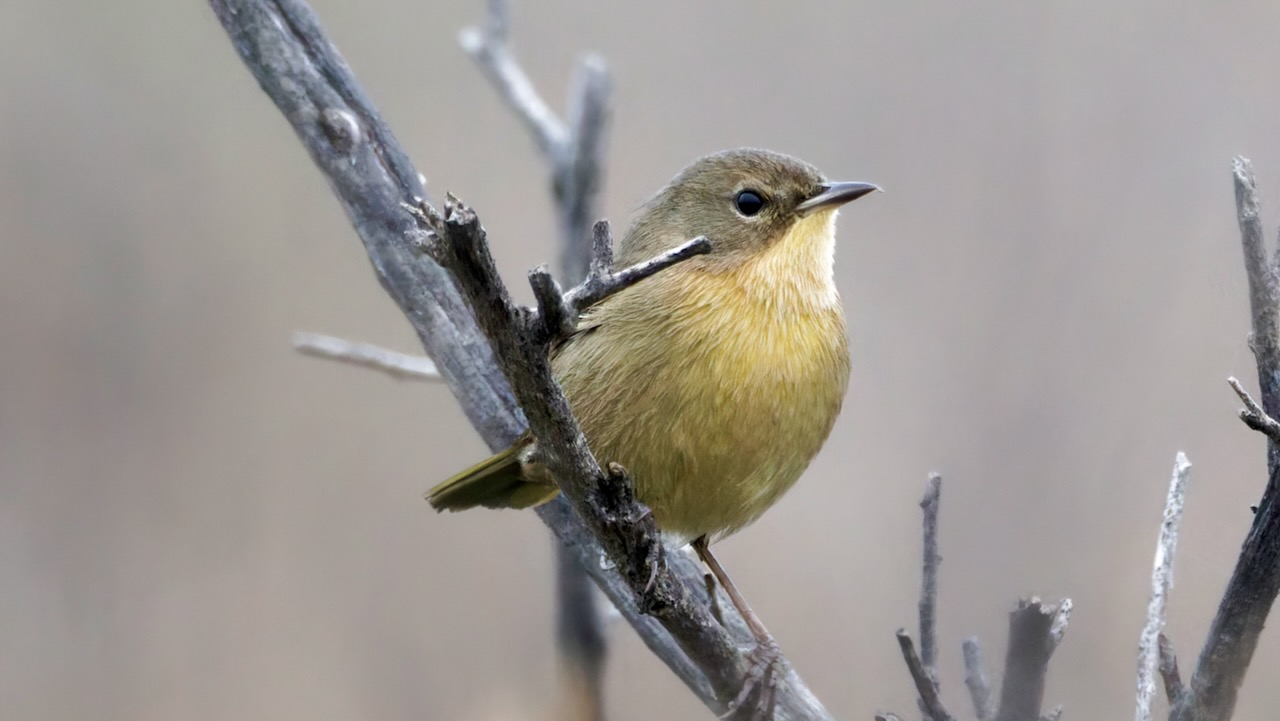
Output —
(759, 682)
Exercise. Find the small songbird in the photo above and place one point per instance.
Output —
(716, 381)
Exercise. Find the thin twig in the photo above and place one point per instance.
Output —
(1253, 415)
(401, 366)
(602, 282)
(928, 605)
(1173, 688)
(1161, 583)
(293, 61)
(1035, 630)
(975, 678)
(926, 687)
(488, 48)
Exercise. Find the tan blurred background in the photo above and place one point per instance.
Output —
(196, 523)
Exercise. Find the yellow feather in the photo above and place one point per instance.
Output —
(730, 380)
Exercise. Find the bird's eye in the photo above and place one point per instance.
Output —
(748, 202)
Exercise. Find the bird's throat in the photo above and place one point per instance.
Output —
(796, 273)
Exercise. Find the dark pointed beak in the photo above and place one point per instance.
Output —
(833, 195)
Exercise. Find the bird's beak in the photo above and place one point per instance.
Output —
(833, 195)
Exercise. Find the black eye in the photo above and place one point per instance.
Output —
(748, 202)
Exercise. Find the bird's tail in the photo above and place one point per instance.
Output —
(495, 483)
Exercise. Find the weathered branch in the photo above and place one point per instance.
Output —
(1264, 296)
(1035, 630)
(284, 47)
(576, 177)
(926, 684)
(488, 47)
(602, 282)
(1161, 582)
(975, 678)
(928, 605)
(1173, 688)
(1253, 415)
(574, 151)
(400, 366)
(1255, 581)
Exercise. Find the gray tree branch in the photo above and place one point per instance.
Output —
(659, 590)
(975, 678)
(1149, 646)
(575, 159)
(1233, 636)
(1035, 631)
(401, 366)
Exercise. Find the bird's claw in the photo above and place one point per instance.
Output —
(756, 700)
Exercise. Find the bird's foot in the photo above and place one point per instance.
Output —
(756, 700)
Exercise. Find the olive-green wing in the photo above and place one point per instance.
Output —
(498, 482)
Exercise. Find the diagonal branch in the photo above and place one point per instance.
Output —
(1255, 581)
(488, 47)
(575, 152)
(576, 162)
(401, 366)
(1149, 647)
(287, 51)
(1253, 415)
(926, 684)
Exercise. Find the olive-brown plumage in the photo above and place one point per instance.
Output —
(716, 381)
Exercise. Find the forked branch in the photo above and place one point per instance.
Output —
(284, 46)
(1220, 670)
(1035, 631)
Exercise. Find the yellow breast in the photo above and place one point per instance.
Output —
(716, 389)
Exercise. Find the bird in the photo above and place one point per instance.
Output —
(715, 382)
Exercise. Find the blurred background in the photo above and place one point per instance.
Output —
(197, 523)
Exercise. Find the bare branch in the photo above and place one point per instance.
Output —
(284, 46)
(888, 717)
(1161, 582)
(576, 181)
(1053, 714)
(1264, 296)
(488, 48)
(1253, 415)
(926, 686)
(1035, 630)
(602, 282)
(580, 639)
(1251, 591)
(1173, 689)
(928, 605)
(400, 366)
(578, 172)
(975, 677)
